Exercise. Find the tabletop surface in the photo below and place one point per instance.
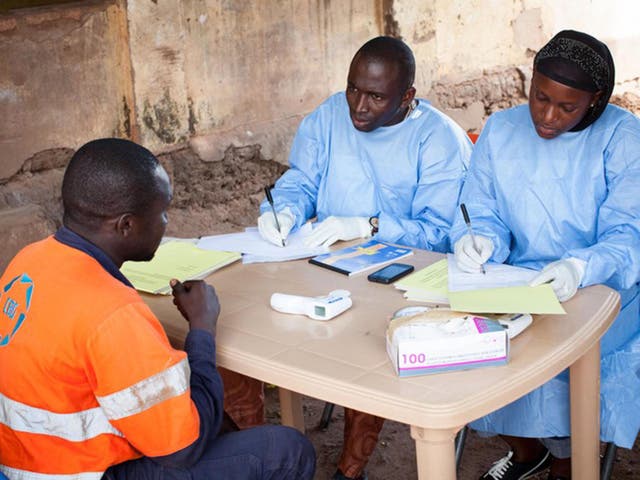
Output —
(344, 360)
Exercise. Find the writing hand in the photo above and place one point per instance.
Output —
(468, 258)
(269, 230)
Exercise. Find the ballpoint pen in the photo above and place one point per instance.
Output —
(465, 214)
(267, 191)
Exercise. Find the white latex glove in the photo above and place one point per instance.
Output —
(338, 228)
(564, 275)
(467, 257)
(269, 230)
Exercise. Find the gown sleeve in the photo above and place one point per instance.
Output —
(615, 257)
(297, 188)
(479, 196)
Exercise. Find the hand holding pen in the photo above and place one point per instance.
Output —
(274, 227)
(267, 192)
(472, 251)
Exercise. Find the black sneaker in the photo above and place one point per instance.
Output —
(507, 469)
(340, 476)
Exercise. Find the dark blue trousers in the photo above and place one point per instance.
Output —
(269, 452)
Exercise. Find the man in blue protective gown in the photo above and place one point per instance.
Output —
(554, 186)
(372, 160)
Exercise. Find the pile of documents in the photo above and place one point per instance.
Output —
(175, 259)
(427, 285)
(255, 249)
(503, 289)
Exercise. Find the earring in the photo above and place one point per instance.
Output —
(591, 105)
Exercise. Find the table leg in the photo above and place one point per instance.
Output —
(291, 409)
(435, 453)
(585, 415)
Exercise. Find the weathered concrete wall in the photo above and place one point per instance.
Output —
(218, 87)
(223, 72)
(474, 56)
(614, 22)
(239, 68)
(64, 78)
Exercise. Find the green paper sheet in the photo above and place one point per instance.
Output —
(428, 284)
(433, 277)
(175, 259)
(540, 299)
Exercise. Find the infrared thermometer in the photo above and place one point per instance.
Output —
(317, 308)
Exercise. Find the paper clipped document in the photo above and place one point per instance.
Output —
(360, 258)
(175, 259)
(503, 289)
(428, 284)
(256, 249)
(497, 275)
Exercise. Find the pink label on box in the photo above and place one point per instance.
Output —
(481, 324)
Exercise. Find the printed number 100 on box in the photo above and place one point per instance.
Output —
(408, 360)
(425, 356)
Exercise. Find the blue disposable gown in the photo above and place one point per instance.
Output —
(409, 174)
(577, 196)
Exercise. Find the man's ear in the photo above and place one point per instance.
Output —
(125, 224)
(408, 97)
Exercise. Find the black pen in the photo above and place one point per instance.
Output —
(267, 191)
(465, 214)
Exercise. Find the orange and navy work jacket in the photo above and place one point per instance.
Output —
(88, 378)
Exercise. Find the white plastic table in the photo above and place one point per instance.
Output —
(344, 360)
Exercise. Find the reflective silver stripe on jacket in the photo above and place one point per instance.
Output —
(75, 427)
(15, 474)
(169, 383)
(87, 424)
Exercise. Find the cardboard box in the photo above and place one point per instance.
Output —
(430, 345)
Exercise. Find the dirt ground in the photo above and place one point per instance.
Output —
(394, 457)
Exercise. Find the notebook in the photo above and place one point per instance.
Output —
(360, 258)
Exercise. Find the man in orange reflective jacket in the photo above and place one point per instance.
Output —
(88, 380)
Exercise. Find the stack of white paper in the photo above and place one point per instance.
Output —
(255, 249)
(498, 275)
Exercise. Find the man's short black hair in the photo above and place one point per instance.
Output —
(108, 177)
(393, 50)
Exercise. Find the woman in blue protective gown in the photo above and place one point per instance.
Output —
(553, 186)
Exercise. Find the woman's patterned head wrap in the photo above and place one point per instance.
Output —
(579, 61)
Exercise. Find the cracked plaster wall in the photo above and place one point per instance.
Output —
(225, 67)
(218, 87)
(221, 72)
(63, 79)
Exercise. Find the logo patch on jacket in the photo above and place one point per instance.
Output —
(15, 300)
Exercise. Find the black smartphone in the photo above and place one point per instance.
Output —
(390, 273)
